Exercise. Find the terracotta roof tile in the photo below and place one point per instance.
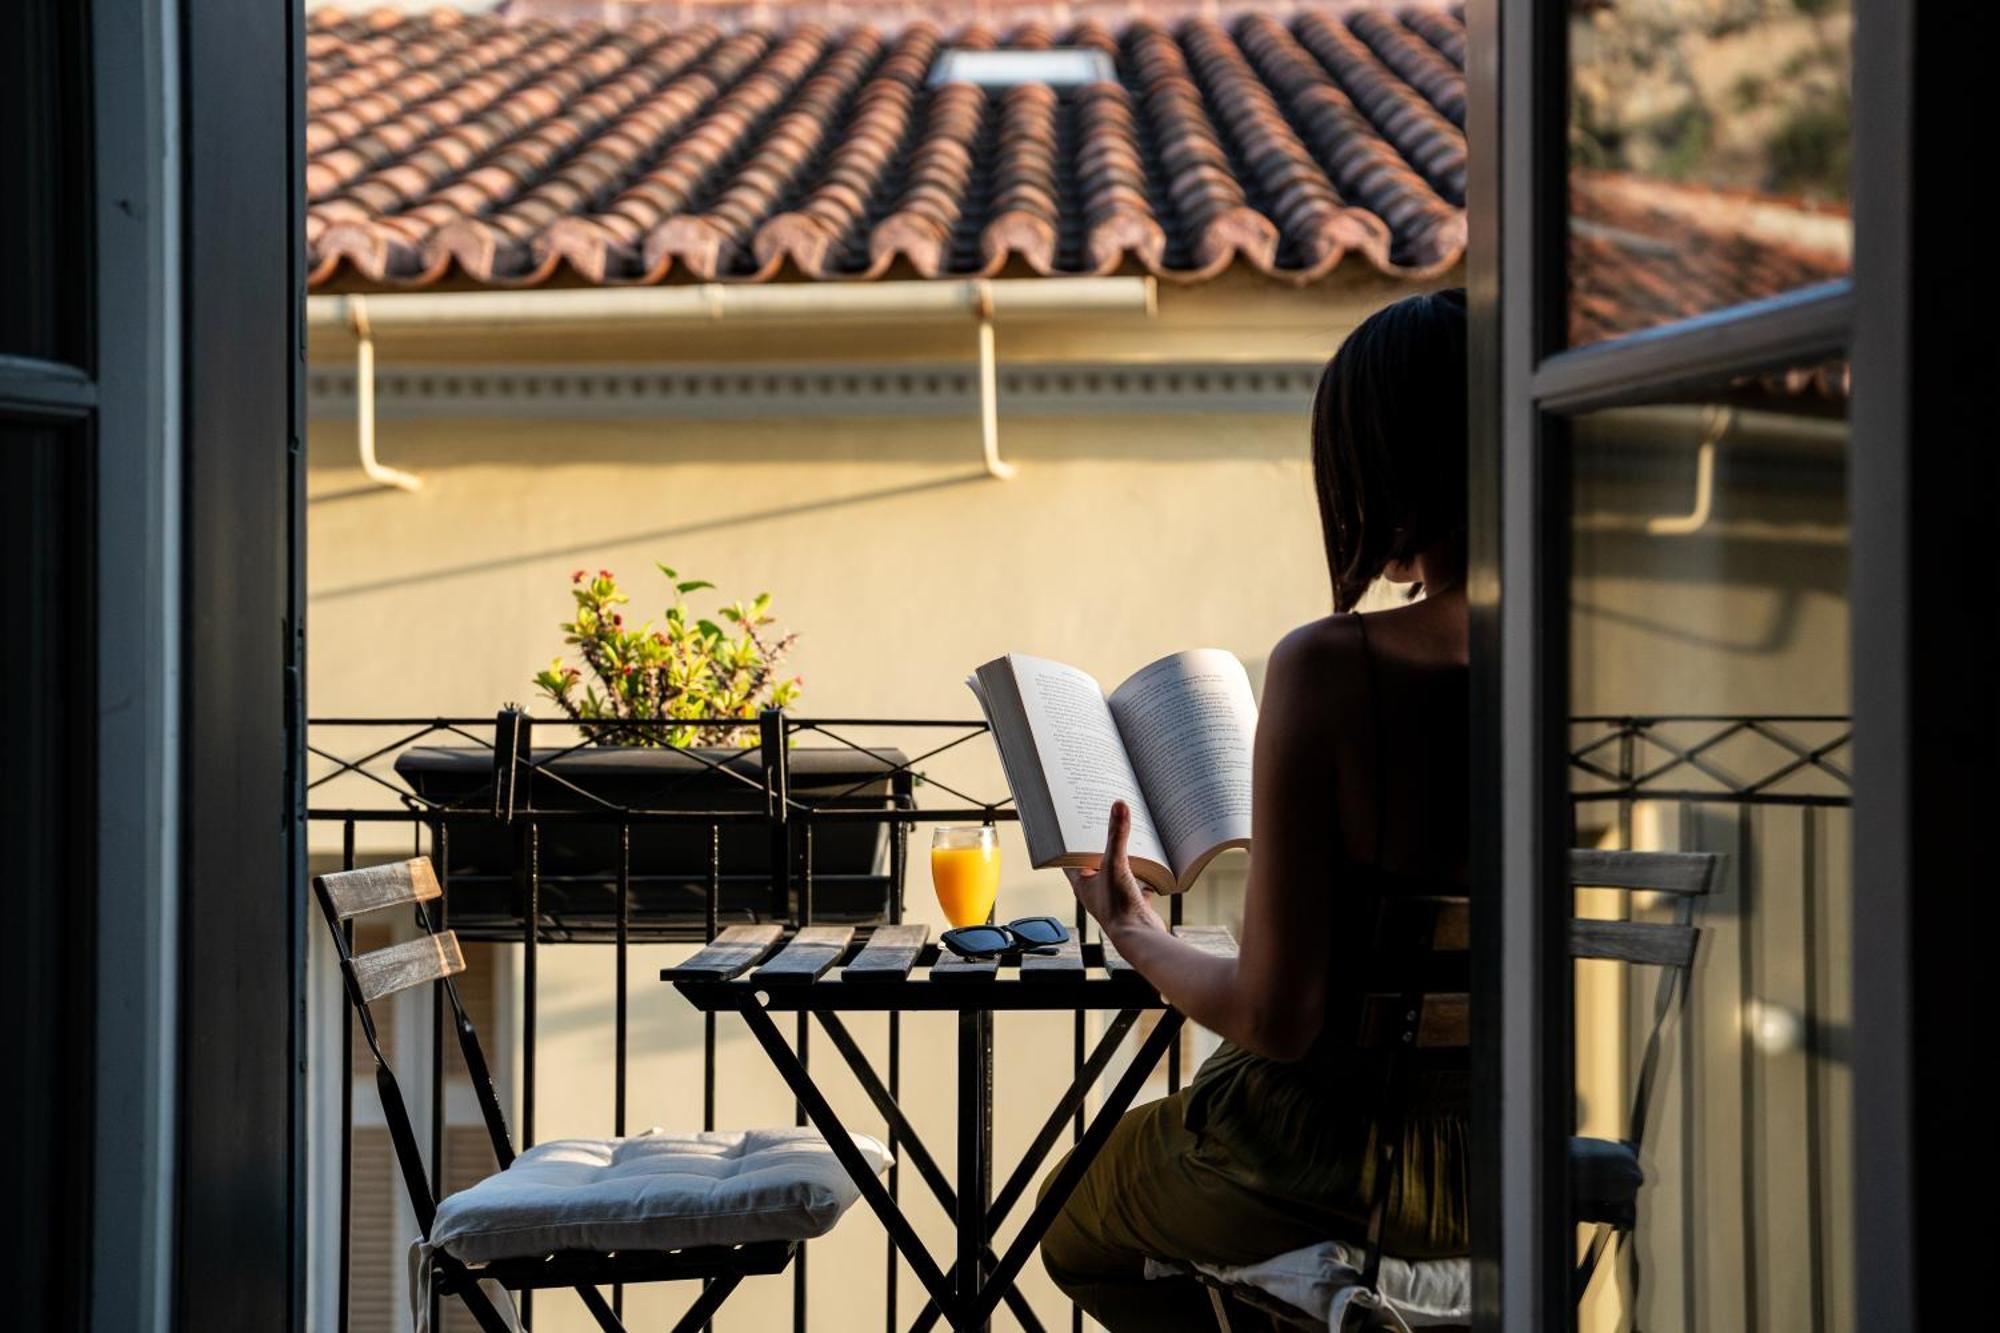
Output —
(475, 151)
(470, 150)
(1637, 260)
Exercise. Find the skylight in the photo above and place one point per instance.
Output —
(1061, 67)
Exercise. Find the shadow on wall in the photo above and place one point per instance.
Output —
(1168, 437)
(595, 544)
(711, 475)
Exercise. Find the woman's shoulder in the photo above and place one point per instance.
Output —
(1331, 643)
(1319, 666)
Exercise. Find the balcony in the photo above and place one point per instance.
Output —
(1749, 1118)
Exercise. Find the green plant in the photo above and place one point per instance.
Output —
(685, 668)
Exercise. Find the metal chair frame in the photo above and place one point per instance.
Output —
(434, 957)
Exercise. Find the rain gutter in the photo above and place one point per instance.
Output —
(981, 302)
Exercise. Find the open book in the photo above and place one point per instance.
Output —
(1173, 742)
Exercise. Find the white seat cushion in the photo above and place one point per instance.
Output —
(653, 1191)
(1421, 1293)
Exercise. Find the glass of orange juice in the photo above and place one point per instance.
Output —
(965, 870)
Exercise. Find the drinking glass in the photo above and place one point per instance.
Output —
(965, 870)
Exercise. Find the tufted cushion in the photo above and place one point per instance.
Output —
(653, 1191)
(1604, 1181)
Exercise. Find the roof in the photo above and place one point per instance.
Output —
(449, 149)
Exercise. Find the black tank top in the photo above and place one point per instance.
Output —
(1313, 1113)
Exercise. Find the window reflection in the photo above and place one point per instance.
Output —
(1709, 145)
(1710, 679)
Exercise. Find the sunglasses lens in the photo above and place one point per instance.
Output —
(980, 939)
(1040, 930)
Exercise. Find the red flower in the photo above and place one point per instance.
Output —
(604, 573)
(576, 577)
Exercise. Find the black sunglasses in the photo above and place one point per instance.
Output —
(1030, 932)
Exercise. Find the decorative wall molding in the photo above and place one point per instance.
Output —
(791, 391)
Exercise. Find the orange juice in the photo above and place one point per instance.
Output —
(966, 878)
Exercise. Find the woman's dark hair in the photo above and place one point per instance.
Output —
(1389, 436)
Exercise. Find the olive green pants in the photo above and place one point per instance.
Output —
(1160, 1190)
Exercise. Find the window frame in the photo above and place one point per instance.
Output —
(1526, 382)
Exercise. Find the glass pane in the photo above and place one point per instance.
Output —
(1709, 144)
(44, 160)
(1709, 713)
(46, 826)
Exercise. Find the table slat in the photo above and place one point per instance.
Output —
(889, 954)
(1065, 964)
(735, 950)
(812, 951)
(1216, 941)
(951, 968)
(1114, 962)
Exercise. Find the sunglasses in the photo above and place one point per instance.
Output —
(1030, 932)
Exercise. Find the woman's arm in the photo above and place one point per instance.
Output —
(1271, 998)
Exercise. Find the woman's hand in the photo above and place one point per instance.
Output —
(1111, 893)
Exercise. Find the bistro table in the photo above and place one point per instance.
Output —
(826, 971)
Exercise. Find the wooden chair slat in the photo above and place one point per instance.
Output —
(1065, 964)
(1634, 941)
(1216, 941)
(371, 888)
(734, 951)
(812, 951)
(889, 954)
(950, 967)
(1454, 927)
(1444, 1021)
(411, 963)
(1690, 873)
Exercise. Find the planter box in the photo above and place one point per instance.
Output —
(486, 883)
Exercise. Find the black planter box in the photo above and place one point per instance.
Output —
(485, 861)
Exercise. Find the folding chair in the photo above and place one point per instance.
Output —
(1604, 1174)
(577, 1213)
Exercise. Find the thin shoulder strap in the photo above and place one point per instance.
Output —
(1379, 710)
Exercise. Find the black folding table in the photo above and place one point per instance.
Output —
(826, 971)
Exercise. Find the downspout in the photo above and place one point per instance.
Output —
(989, 390)
(985, 300)
(364, 401)
(1686, 525)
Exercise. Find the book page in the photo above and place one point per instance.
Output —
(1083, 760)
(1189, 723)
(999, 696)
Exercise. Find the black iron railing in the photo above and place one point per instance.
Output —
(1758, 1132)
(537, 843)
